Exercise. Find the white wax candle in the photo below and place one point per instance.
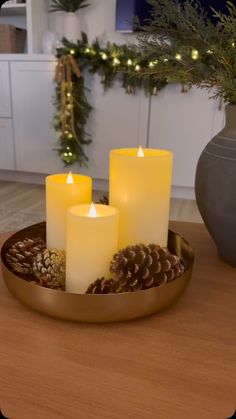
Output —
(92, 241)
(140, 186)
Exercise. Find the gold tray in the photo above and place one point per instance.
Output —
(95, 308)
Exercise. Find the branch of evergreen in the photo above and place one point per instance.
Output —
(176, 29)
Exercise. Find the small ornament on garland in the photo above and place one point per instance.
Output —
(49, 267)
(155, 91)
(130, 89)
(185, 88)
(20, 256)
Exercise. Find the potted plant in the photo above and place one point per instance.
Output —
(185, 45)
(71, 21)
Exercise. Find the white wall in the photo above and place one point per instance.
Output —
(97, 21)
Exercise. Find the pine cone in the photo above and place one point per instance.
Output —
(104, 200)
(101, 286)
(141, 267)
(49, 267)
(20, 256)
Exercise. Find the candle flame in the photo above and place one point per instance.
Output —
(70, 179)
(92, 211)
(140, 152)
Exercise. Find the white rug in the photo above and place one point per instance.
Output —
(13, 220)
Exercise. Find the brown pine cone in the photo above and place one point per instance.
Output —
(141, 267)
(49, 267)
(101, 286)
(53, 283)
(104, 200)
(20, 256)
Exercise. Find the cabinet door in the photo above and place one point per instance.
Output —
(5, 101)
(184, 123)
(118, 120)
(7, 161)
(32, 100)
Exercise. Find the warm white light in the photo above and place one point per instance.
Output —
(195, 54)
(209, 51)
(104, 56)
(151, 64)
(92, 211)
(140, 152)
(72, 52)
(116, 61)
(233, 44)
(178, 57)
(137, 67)
(87, 50)
(129, 62)
(165, 60)
(70, 179)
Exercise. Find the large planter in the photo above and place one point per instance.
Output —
(72, 27)
(216, 188)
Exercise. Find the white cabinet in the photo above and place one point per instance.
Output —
(32, 101)
(118, 120)
(5, 95)
(183, 123)
(7, 160)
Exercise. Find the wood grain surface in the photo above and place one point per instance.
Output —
(178, 364)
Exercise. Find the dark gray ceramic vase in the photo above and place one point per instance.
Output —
(216, 188)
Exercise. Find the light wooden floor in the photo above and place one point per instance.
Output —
(23, 204)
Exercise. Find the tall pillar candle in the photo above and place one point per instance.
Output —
(62, 192)
(92, 241)
(140, 186)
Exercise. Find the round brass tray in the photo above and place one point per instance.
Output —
(95, 308)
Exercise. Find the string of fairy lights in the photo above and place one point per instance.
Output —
(123, 62)
(118, 59)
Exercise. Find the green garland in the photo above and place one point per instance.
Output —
(111, 62)
(190, 48)
(178, 45)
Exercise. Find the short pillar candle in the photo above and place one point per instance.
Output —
(92, 241)
(62, 192)
(140, 187)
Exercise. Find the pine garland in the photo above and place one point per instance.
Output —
(111, 62)
(190, 48)
(179, 44)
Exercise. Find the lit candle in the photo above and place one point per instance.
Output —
(92, 241)
(62, 192)
(140, 186)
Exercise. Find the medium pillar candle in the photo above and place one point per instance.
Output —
(92, 241)
(62, 192)
(140, 186)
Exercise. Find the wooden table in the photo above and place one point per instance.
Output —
(178, 364)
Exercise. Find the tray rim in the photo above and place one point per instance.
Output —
(15, 282)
